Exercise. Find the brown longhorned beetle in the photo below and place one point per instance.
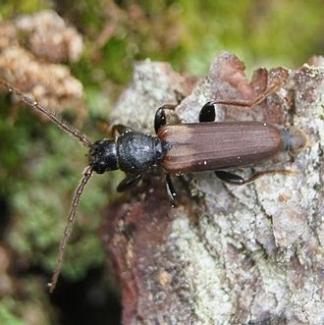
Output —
(178, 148)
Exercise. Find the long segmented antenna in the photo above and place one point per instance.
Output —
(63, 125)
(87, 173)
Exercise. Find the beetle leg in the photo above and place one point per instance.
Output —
(256, 175)
(128, 182)
(160, 117)
(119, 129)
(229, 177)
(238, 180)
(170, 189)
(207, 113)
(250, 103)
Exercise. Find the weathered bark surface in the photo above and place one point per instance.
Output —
(226, 255)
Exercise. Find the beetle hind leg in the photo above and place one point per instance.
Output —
(207, 113)
(256, 175)
(238, 180)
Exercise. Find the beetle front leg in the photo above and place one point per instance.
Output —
(119, 129)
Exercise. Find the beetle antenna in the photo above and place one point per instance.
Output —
(63, 125)
(87, 173)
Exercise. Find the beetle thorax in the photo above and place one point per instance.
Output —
(137, 152)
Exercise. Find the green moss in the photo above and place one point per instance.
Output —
(8, 8)
(271, 33)
(7, 316)
(32, 308)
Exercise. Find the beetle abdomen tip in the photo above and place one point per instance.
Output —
(294, 140)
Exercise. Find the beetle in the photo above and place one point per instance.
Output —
(178, 148)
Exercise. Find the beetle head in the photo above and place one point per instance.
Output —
(103, 156)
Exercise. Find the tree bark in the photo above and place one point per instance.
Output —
(250, 254)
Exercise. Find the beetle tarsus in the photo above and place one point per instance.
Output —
(238, 180)
(256, 175)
